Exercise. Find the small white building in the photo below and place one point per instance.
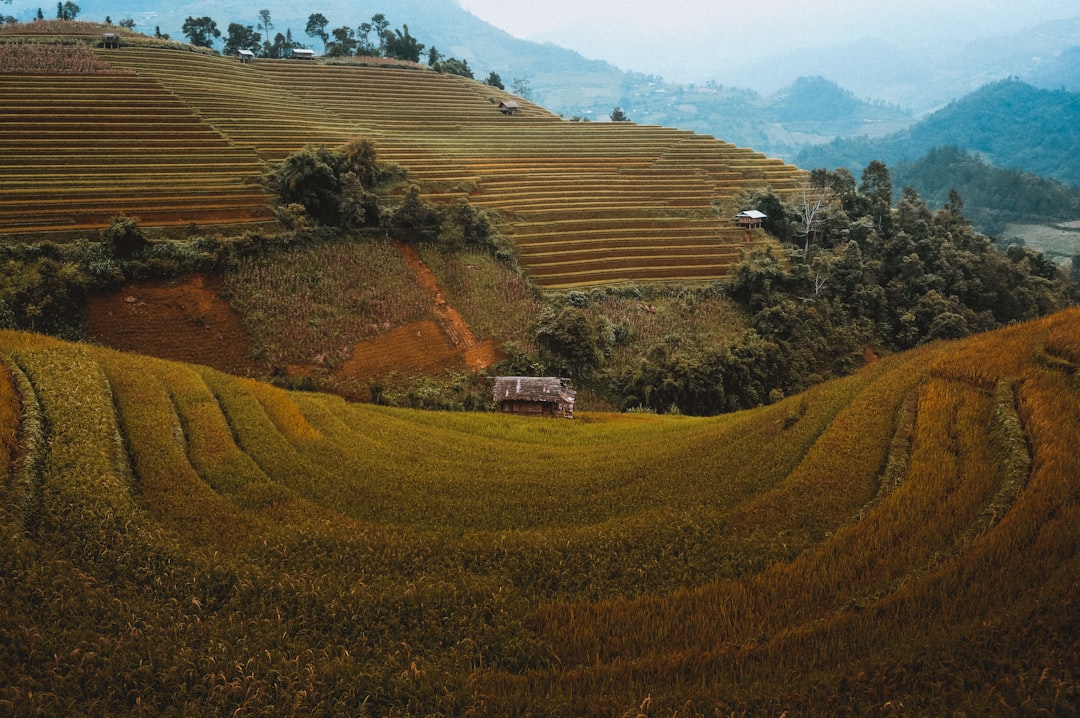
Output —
(750, 218)
(302, 53)
(245, 56)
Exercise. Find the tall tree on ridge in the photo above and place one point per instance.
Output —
(316, 27)
(201, 31)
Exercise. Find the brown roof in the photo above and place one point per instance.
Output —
(532, 388)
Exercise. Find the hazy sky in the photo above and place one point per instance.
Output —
(683, 39)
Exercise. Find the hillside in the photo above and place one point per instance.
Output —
(1010, 123)
(808, 111)
(176, 540)
(584, 203)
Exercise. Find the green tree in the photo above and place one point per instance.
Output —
(124, 236)
(67, 10)
(266, 25)
(876, 190)
(494, 80)
(400, 45)
(316, 27)
(344, 42)
(572, 342)
(311, 178)
(454, 66)
(127, 23)
(334, 186)
(241, 37)
(617, 115)
(282, 46)
(201, 31)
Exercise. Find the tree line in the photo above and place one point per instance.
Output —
(375, 38)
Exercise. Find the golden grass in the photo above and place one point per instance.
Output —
(908, 534)
(625, 188)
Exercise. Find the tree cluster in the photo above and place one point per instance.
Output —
(335, 187)
(859, 273)
(350, 188)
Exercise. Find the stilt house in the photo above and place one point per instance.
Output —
(750, 219)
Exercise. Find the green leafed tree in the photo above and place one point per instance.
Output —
(241, 37)
(344, 42)
(400, 45)
(493, 80)
(201, 31)
(67, 10)
(316, 27)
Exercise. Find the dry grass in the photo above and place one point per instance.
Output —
(907, 535)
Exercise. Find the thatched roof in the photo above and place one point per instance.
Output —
(532, 388)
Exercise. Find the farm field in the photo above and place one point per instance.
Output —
(184, 138)
(176, 540)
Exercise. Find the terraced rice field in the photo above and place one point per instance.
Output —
(586, 203)
(905, 540)
(77, 150)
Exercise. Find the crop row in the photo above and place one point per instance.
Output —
(211, 545)
(72, 164)
(446, 131)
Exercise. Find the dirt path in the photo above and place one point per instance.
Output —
(477, 354)
(457, 332)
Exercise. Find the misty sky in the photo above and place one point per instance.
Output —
(687, 40)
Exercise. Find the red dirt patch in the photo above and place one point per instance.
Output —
(184, 320)
(187, 320)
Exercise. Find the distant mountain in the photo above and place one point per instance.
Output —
(1009, 123)
(1045, 55)
(809, 111)
(992, 196)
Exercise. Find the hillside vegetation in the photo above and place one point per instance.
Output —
(178, 541)
(177, 138)
(1006, 148)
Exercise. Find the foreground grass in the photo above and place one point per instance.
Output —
(178, 541)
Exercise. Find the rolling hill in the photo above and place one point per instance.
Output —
(176, 540)
(585, 203)
(1010, 123)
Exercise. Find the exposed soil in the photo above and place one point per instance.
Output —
(188, 320)
(419, 348)
(183, 320)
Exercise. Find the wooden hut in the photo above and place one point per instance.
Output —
(110, 40)
(750, 219)
(245, 56)
(509, 107)
(303, 54)
(534, 396)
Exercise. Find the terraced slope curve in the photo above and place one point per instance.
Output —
(586, 203)
(77, 150)
(175, 540)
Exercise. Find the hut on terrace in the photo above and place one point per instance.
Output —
(509, 107)
(534, 396)
(750, 219)
(303, 54)
(245, 55)
(110, 40)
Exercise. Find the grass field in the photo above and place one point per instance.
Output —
(178, 541)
